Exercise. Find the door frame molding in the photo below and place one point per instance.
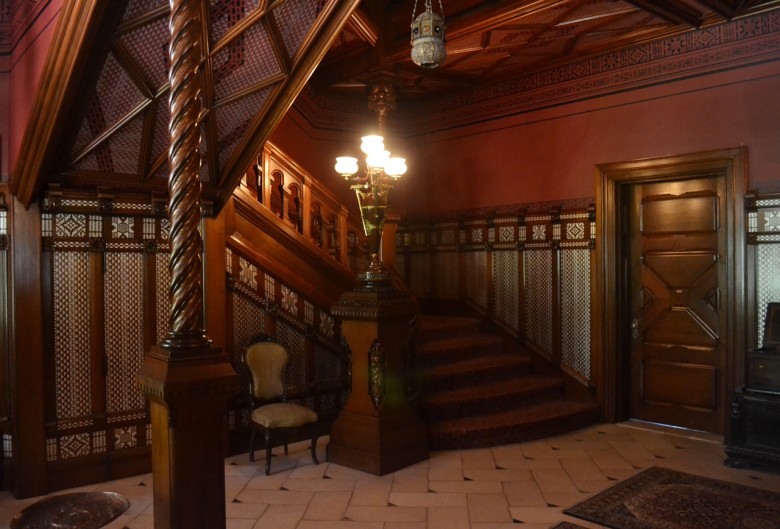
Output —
(610, 362)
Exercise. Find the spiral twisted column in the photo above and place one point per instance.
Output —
(186, 291)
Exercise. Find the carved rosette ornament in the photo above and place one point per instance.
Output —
(377, 365)
(186, 318)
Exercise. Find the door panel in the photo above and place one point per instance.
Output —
(677, 354)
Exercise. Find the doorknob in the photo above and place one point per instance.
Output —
(635, 329)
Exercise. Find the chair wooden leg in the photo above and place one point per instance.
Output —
(252, 444)
(286, 452)
(267, 452)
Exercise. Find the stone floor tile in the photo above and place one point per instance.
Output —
(334, 471)
(360, 513)
(271, 482)
(523, 494)
(275, 497)
(343, 524)
(319, 484)
(448, 518)
(465, 486)
(445, 466)
(239, 523)
(503, 474)
(536, 514)
(510, 525)
(327, 505)
(564, 500)
(582, 469)
(427, 499)
(234, 485)
(309, 471)
(281, 517)
(609, 459)
(554, 480)
(593, 485)
(141, 522)
(570, 443)
(371, 492)
(478, 459)
(488, 508)
(407, 525)
(253, 511)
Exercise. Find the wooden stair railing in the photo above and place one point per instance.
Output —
(300, 201)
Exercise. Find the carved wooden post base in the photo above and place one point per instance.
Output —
(188, 398)
(377, 431)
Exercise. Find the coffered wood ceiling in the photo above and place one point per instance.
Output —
(101, 115)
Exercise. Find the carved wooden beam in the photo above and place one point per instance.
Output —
(672, 11)
(314, 49)
(82, 25)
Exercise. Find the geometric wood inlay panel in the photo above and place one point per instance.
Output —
(679, 270)
(697, 214)
(680, 384)
(680, 325)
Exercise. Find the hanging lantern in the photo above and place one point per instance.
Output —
(428, 39)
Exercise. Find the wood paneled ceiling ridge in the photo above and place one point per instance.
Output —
(494, 41)
(101, 114)
(506, 58)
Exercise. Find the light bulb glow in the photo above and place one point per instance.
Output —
(346, 165)
(395, 167)
(372, 144)
(378, 159)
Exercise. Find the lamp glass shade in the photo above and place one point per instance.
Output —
(378, 159)
(395, 167)
(346, 165)
(372, 144)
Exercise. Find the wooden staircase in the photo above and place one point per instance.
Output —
(476, 394)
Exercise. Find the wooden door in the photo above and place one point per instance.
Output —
(677, 273)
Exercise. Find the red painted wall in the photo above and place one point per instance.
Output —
(552, 154)
(20, 73)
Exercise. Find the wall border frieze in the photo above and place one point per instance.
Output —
(743, 42)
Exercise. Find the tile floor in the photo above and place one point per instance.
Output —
(492, 488)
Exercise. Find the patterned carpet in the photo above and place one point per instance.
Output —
(659, 498)
(75, 510)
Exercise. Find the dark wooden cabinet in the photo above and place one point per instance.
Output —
(753, 436)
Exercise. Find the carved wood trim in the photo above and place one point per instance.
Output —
(81, 24)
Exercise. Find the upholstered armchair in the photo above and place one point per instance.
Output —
(267, 361)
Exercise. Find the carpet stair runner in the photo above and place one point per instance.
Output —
(478, 395)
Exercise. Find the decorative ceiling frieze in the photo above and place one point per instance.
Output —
(742, 42)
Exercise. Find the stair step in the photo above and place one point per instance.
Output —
(478, 395)
(460, 348)
(476, 370)
(437, 327)
(491, 397)
(512, 426)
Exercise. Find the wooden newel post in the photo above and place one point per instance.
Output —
(187, 381)
(377, 431)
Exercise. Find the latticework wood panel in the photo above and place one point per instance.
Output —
(475, 278)
(124, 336)
(506, 308)
(72, 376)
(538, 297)
(445, 278)
(575, 313)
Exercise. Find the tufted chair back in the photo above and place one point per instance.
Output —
(267, 362)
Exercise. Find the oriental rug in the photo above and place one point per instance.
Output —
(75, 510)
(659, 498)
